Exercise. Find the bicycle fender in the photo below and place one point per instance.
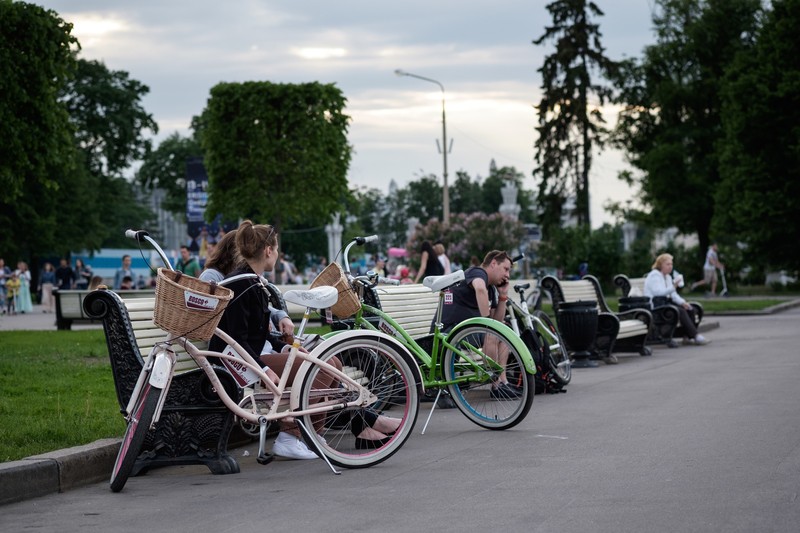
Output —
(505, 331)
(341, 336)
(162, 370)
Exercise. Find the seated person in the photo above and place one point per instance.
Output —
(222, 260)
(247, 320)
(484, 292)
(660, 283)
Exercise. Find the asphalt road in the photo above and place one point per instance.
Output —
(692, 439)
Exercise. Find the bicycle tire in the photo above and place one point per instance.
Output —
(132, 441)
(474, 396)
(556, 355)
(397, 394)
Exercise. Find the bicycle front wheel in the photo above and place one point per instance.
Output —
(555, 351)
(138, 426)
(379, 366)
(476, 394)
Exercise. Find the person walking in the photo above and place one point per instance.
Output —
(5, 274)
(124, 272)
(82, 275)
(64, 276)
(24, 301)
(443, 259)
(710, 267)
(429, 264)
(188, 264)
(47, 282)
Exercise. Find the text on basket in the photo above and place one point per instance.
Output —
(199, 303)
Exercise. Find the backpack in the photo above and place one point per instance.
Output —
(543, 380)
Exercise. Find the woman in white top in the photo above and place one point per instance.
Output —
(659, 282)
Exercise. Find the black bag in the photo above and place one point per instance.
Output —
(543, 380)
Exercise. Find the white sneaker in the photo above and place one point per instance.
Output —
(291, 447)
(700, 340)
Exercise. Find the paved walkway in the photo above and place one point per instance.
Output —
(37, 320)
(690, 439)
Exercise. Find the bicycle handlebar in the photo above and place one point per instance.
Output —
(517, 258)
(142, 235)
(358, 241)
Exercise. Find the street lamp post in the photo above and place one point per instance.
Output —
(445, 191)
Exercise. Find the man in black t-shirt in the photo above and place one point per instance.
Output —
(483, 292)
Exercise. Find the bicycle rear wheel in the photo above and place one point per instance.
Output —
(474, 395)
(555, 351)
(387, 373)
(138, 426)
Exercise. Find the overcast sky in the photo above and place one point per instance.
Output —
(480, 51)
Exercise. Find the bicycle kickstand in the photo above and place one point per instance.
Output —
(304, 430)
(264, 457)
(435, 401)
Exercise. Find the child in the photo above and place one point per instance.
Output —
(12, 293)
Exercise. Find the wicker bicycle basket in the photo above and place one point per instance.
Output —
(333, 276)
(188, 307)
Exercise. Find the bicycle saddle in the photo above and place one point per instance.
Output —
(316, 298)
(437, 283)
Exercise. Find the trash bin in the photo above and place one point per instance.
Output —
(577, 322)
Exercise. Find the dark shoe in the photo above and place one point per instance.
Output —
(672, 343)
(445, 402)
(369, 444)
(365, 418)
(504, 391)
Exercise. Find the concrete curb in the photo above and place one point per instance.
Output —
(57, 471)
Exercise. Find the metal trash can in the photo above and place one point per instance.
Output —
(577, 322)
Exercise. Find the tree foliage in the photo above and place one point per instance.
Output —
(570, 124)
(35, 61)
(105, 107)
(165, 168)
(73, 126)
(671, 125)
(268, 146)
(760, 155)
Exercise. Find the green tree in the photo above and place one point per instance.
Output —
(35, 61)
(424, 199)
(670, 126)
(466, 194)
(111, 125)
(105, 107)
(570, 125)
(276, 152)
(759, 195)
(165, 168)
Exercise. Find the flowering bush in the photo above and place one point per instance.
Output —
(469, 235)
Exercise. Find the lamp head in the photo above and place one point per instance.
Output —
(400, 72)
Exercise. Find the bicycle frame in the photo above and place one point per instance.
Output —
(433, 375)
(159, 366)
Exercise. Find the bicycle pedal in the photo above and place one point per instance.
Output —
(265, 458)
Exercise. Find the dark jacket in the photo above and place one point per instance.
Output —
(246, 318)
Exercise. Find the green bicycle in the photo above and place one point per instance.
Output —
(467, 361)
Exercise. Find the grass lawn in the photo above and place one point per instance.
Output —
(57, 391)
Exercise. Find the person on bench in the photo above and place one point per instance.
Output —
(483, 292)
(247, 319)
(659, 283)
